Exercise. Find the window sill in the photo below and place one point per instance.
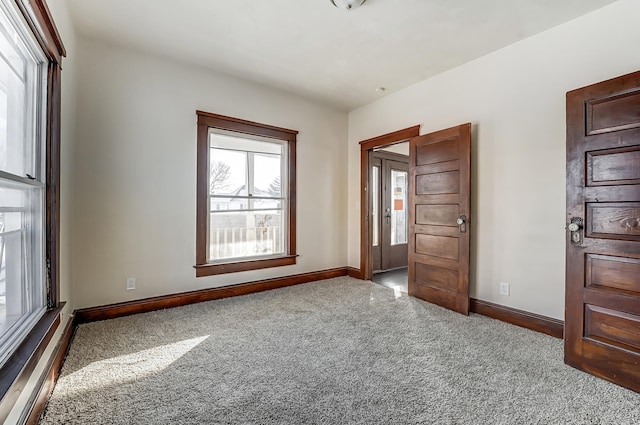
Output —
(18, 368)
(241, 266)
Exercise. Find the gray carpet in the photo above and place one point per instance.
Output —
(340, 351)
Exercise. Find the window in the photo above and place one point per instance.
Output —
(246, 195)
(31, 53)
(23, 72)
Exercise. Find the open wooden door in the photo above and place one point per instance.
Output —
(439, 217)
(602, 315)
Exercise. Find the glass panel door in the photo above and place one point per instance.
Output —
(398, 195)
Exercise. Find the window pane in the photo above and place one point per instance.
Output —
(246, 234)
(267, 175)
(15, 154)
(21, 259)
(222, 140)
(17, 86)
(399, 206)
(375, 210)
(12, 265)
(11, 50)
(227, 172)
(222, 204)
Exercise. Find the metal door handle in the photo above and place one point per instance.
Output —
(575, 228)
(462, 222)
(388, 216)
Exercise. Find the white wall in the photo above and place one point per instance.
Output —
(515, 98)
(134, 173)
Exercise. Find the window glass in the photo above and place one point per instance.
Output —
(375, 207)
(22, 185)
(17, 87)
(267, 175)
(247, 209)
(22, 290)
(399, 222)
(228, 172)
(246, 233)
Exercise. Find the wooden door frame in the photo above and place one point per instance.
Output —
(367, 146)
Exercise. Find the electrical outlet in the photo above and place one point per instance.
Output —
(505, 288)
(131, 283)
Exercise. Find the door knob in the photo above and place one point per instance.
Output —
(575, 227)
(462, 222)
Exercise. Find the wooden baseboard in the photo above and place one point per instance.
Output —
(53, 372)
(525, 319)
(353, 272)
(112, 311)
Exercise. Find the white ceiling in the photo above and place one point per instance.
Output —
(311, 48)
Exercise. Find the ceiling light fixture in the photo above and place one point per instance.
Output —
(347, 4)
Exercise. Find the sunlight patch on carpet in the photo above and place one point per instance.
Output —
(126, 368)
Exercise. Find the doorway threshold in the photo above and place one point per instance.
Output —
(396, 279)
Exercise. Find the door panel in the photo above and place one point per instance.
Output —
(437, 152)
(614, 166)
(602, 321)
(614, 220)
(440, 173)
(438, 277)
(438, 183)
(613, 113)
(611, 326)
(437, 246)
(613, 272)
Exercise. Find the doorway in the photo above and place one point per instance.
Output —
(389, 175)
(389, 212)
(439, 188)
(384, 215)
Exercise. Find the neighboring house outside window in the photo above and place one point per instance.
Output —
(246, 195)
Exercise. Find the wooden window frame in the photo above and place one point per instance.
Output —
(16, 371)
(206, 121)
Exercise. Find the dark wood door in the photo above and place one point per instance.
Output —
(389, 211)
(440, 194)
(602, 315)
